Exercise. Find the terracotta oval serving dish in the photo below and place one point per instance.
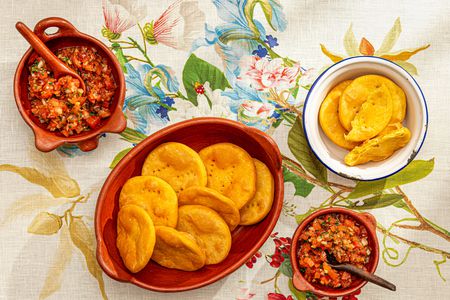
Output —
(197, 134)
(365, 219)
(68, 36)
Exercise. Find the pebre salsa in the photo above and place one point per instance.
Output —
(340, 235)
(60, 103)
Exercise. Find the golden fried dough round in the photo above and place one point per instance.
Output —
(257, 208)
(224, 206)
(208, 228)
(231, 171)
(329, 117)
(154, 195)
(135, 237)
(398, 102)
(177, 250)
(373, 116)
(177, 164)
(379, 148)
(359, 90)
(389, 128)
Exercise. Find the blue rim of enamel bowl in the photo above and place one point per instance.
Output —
(416, 149)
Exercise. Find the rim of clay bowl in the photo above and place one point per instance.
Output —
(46, 140)
(366, 219)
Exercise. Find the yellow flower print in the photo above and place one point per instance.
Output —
(400, 57)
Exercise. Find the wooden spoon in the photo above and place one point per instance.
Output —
(358, 272)
(56, 65)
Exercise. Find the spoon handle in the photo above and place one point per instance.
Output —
(366, 275)
(58, 67)
(38, 46)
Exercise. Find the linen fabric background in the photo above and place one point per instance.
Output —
(26, 258)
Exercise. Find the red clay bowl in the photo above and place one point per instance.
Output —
(68, 36)
(197, 134)
(365, 219)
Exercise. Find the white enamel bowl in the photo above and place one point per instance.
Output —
(331, 155)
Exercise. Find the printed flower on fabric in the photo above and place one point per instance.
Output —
(305, 82)
(261, 51)
(271, 41)
(352, 296)
(186, 110)
(256, 114)
(146, 102)
(308, 77)
(240, 33)
(264, 74)
(282, 249)
(276, 296)
(249, 264)
(245, 294)
(120, 15)
(251, 106)
(178, 26)
(400, 57)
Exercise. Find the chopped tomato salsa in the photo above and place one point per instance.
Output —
(340, 235)
(60, 103)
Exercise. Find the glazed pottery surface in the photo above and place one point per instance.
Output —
(246, 240)
(366, 220)
(68, 36)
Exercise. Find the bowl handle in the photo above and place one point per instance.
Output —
(370, 219)
(301, 284)
(64, 28)
(116, 123)
(89, 144)
(46, 142)
(268, 143)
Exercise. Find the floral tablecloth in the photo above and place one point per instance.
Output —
(246, 60)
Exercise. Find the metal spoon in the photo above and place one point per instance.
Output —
(358, 272)
(56, 65)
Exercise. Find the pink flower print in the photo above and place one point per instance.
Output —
(120, 15)
(264, 74)
(257, 109)
(276, 296)
(245, 294)
(178, 27)
(308, 77)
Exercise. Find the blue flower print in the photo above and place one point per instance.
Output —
(236, 37)
(240, 92)
(143, 105)
(164, 109)
(261, 51)
(271, 41)
(169, 101)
